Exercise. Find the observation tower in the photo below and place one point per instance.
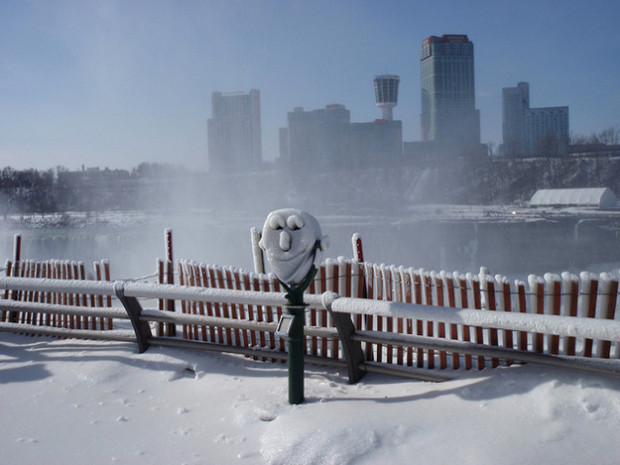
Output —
(386, 94)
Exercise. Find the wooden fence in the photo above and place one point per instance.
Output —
(340, 308)
(587, 295)
(56, 269)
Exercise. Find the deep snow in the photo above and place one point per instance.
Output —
(69, 401)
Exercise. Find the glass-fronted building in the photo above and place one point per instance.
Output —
(449, 116)
(234, 131)
(531, 132)
(316, 137)
(327, 138)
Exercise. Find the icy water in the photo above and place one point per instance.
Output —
(433, 239)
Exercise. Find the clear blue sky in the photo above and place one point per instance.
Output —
(115, 83)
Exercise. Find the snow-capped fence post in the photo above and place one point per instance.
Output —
(17, 250)
(553, 306)
(257, 252)
(590, 294)
(358, 256)
(608, 305)
(449, 281)
(537, 290)
(170, 305)
(570, 291)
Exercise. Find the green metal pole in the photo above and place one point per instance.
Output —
(296, 345)
(296, 355)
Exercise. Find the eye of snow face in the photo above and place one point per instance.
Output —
(295, 222)
(276, 222)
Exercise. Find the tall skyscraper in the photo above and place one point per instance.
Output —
(386, 94)
(515, 100)
(234, 131)
(449, 117)
(528, 132)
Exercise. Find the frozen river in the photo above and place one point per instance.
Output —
(510, 242)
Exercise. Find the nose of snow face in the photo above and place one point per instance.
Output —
(285, 241)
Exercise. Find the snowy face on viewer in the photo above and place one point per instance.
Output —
(290, 239)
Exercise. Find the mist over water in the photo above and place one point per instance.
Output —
(435, 238)
(133, 248)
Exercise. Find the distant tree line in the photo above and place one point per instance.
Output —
(608, 136)
(27, 191)
(60, 190)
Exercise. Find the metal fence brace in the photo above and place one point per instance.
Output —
(351, 348)
(134, 309)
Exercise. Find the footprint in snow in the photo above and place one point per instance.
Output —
(590, 407)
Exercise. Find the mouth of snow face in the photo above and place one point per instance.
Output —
(286, 255)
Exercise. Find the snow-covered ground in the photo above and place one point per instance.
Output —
(67, 401)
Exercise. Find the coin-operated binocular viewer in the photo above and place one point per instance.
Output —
(291, 239)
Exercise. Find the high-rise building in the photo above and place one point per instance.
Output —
(327, 138)
(315, 137)
(234, 131)
(528, 132)
(386, 94)
(376, 143)
(515, 100)
(449, 117)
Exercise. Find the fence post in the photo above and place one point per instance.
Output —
(609, 308)
(553, 306)
(537, 288)
(17, 250)
(257, 252)
(590, 292)
(570, 290)
(171, 329)
(358, 255)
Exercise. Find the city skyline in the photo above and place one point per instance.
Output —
(120, 83)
